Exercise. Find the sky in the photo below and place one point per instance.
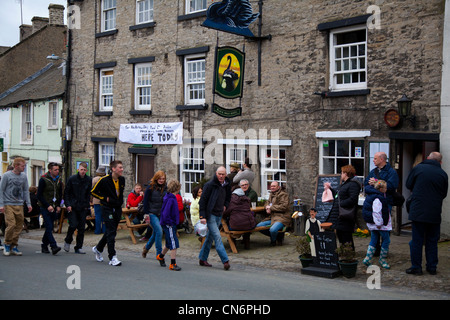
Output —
(10, 17)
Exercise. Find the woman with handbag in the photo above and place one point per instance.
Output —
(343, 213)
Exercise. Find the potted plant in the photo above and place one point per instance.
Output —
(304, 248)
(347, 260)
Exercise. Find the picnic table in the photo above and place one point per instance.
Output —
(129, 215)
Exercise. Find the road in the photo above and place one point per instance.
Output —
(70, 276)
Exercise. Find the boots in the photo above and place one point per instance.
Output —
(383, 256)
(369, 256)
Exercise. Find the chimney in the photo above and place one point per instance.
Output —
(56, 14)
(38, 23)
(25, 31)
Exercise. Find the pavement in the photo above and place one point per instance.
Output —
(285, 257)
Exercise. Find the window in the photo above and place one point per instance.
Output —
(192, 167)
(348, 59)
(334, 154)
(144, 11)
(235, 155)
(53, 115)
(195, 6)
(108, 15)
(105, 154)
(143, 86)
(273, 168)
(27, 123)
(375, 147)
(106, 89)
(195, 80)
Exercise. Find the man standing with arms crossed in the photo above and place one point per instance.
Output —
(50, 192)
(109, 190)
(13, 192)
(77, 195)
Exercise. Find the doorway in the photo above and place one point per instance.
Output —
(145, 165)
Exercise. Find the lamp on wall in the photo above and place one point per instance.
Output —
(404, 109)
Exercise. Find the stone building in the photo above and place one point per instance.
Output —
(320, 78)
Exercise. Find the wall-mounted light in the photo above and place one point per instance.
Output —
(404, 109)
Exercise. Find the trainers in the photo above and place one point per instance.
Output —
(66, 247)
(80, 251)
(115, 262)
(7, 250)
(174, 267)
(16, 252)
(98, 254)
(161, 260)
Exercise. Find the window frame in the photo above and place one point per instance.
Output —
(102, 77)
(188, 60)
(187, 153)
(137, 87)
(151, 12)
(196, 3)
(334, 86)
(336, 170)
(52, 119)
(105, 11)
(273, 170)
(26, 137)
(110, 155)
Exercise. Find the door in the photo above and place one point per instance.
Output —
(145, 165)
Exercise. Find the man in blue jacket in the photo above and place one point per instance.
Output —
(429, 186)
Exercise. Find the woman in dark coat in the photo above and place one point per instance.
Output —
(347, 195)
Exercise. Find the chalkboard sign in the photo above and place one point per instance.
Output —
(323, 209)
(326, 256)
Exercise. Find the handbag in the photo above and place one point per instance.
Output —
(327, 196)
(346, 214)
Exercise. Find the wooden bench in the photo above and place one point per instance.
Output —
(231, 235)
(129, 215)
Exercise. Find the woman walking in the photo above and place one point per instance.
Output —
(153, 200)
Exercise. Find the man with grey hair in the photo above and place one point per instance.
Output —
(215, 199)
(429, 186)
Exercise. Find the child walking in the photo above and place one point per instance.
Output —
(170, 218)
(376, 214)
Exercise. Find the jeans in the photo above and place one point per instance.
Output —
(99, 225)
(49, 219)
(111, 217)
(273, 231)
(213, 234)
(385, 238)
(428, 233)
(156, 237)
(77, 221)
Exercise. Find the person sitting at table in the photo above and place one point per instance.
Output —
(134, 200)
(239, 214)
(249, 192)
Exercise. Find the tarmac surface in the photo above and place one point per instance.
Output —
(285, 257)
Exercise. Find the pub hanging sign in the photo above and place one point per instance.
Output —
(229, 72)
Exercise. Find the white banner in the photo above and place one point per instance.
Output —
(152, 133)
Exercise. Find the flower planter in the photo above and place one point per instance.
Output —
(305, 261)
(348, 269)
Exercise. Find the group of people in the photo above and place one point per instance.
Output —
(428, 183)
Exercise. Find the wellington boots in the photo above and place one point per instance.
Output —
(383, 256)
(369, 256)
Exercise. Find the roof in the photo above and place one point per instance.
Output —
(47, 83)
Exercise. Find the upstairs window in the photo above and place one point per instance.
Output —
(195, 67)
(108, 15)
(53, 115)
(144, 11)
(193, 6)
(106, 89)
(348, 58)
(27, 124)
(143, 85)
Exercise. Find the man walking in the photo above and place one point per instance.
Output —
(429, 186)
(50, 192)
(13, 193)
(213, 202)
(77, 195)
(109, 190)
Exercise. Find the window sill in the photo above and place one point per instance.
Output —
(141, 112)
(345, 93)
(192, 15)
(106, 33)
(143, 26)
(103, 113)
(192, 107)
